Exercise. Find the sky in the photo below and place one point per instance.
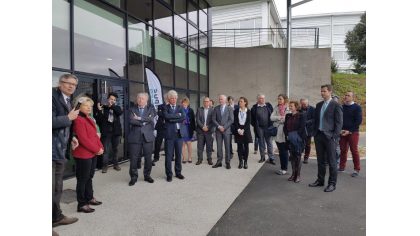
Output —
(321, 6)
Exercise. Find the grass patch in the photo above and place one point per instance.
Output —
(355, 82)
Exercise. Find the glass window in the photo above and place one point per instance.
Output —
(203, 5)
(56, 76)
(140, 49)
(180, 7)
(135, 88)
(99, 39)
(192, 13)
(258, 23)
(192, 70)
(203, 43)
(117, 3)
(203, 74)
(192, 36)
(194, 102)
(247, 24)
(61, 34)
(163, 62)
(140, 9)
(203, 21)
(181, 65)
(163, 18)
(180, 29)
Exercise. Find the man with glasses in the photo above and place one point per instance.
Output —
(205, 130)
(62, 116)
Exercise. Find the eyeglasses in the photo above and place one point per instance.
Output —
(65, 82)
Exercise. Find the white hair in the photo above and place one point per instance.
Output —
(260, 95)
(224, 96)
(143, 94)
(172, 93)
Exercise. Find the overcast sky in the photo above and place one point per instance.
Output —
(321, 6)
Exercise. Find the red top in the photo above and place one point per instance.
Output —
(89, 142)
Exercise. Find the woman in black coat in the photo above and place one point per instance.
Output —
(242, 131)
(294, 131)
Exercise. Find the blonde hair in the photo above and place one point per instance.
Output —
(186, 100)
(83, 99)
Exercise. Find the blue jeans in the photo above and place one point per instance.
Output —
(265, 139)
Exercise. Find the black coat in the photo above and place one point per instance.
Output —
(160, 124)
(309, 124)
(108, 128)
(247, 127)
(191, 126)
(60, 126)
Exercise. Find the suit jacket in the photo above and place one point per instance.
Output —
(247, 127)
(108, 128)
(142, 129)
(172, 117)
(226, 120)
(60, 125)
(332, 119)
(89, 143)
(200, 120)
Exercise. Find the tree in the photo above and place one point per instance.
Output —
(334, 66)
(356, 44)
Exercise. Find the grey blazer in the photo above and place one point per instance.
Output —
(332, 119)
(226, 120)
(142, 129)
(200, 120)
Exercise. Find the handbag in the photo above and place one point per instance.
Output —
(272, 130)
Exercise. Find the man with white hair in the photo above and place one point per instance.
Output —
(260, 120)
(309, 112)
(174, 132)
(223, 119)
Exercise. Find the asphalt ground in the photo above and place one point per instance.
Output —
(271, 205)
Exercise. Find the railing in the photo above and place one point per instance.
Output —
(266, 37)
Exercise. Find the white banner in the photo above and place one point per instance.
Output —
(155, 88)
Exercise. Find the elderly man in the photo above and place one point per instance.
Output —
(141, 137)
(205, 130)
(309, 113)
(328, 121)
(175, 130)
(62, 116)
(223, 119)
(260, 120)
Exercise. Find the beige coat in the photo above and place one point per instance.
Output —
(279, 122)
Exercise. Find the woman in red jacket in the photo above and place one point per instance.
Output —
(90, 145)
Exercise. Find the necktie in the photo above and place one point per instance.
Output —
(68, 103)
(173, 108)
(323, 108)
(141, 111)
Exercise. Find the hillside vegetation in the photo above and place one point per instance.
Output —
(356, 83)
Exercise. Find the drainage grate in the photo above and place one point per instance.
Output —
(68, 196)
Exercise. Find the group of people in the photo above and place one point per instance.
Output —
(290, 123)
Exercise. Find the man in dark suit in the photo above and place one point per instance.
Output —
(62, 116)
(160, 130)
(328, 121)
(231, 103)
(309, 112)
(223, 119)
(174, 117)
(141, 137)
(205, 130)
(108, 118)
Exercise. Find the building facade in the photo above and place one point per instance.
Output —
(107, 44)
(333, 28)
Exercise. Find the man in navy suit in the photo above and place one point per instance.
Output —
(141, 137)
(328, 121)
(175, 130)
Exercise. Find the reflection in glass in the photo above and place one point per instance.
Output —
(163, 18)
(192, 13)
(99, 39)
(140, 49)
(194, 103)
(192, 36)
(203, 21)
(180, 7)
(61, 34)
(203, 5)
(203, 42)
(117, 3)
(163, 62)
(203, 74)
(180, 29)
(140, 9)
(192, 68)
(180, 65)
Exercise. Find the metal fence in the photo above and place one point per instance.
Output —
(267, 37)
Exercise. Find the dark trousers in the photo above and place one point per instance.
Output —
(307, 147)
(352, 141)
(325, 154)
(223, 139)
(243, 150)
(205, 138)
(137, 150)
(158, 143)
(256, 143)
(296, 163)
(173, 146)
(283, 155)
(57, 188)
(231, 149)
(110, 143)
(85, 170)
(265, 139)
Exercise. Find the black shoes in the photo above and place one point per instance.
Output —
(329, 188)
(240, 165)
(218, 164)
(261, 160)
(149, 179)
(104, 169)
(95, 202)
(85, 209)
(245, 165)
(228, 166)
(153, 164)
(210, 162)
(316, 184)
(305, 160)
(117, 167)
(132, 182)
(271, 161)
(179, 176)
(198, 162)
(169, 178)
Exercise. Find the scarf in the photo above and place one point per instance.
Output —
(282, 110)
